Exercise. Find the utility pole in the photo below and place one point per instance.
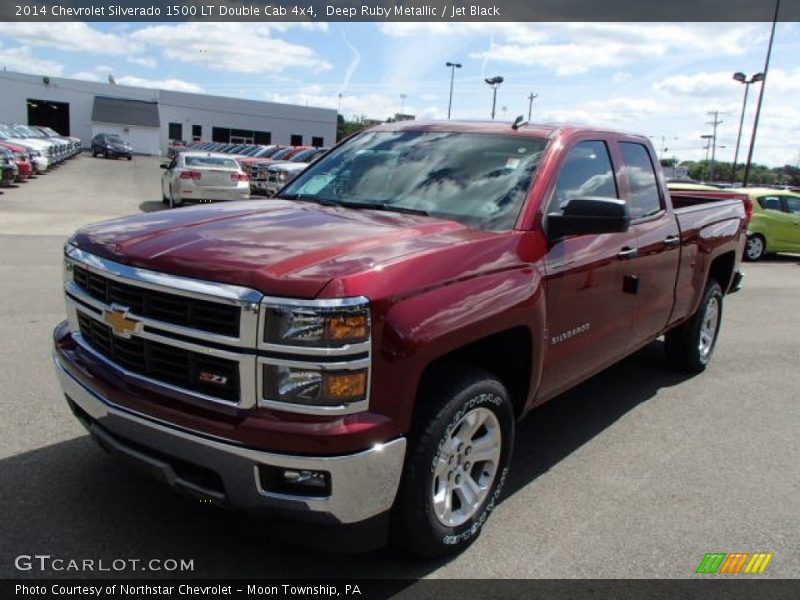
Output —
(714, 123)
(707, 137)
(531, 98)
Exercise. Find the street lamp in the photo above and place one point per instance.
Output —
(403, 103)
(742, 78)
(452, 67)
(493, 83)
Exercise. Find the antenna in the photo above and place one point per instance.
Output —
(111, 79)
(519, 122)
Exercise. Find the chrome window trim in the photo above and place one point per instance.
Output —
(341, 409)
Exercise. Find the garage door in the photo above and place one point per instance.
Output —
(143, 140)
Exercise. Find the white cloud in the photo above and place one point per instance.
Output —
(177, 85)
(144, 61)
(86, 76)
(71, 36)
(22, 59)
(234, 47)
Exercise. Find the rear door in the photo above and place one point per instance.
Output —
(654, 267)
(791, 204)
(588, 312)
(776, 222)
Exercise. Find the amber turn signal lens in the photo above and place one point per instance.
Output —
(346, 327)
(346, 386)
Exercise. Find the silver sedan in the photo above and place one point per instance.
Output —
(203, 177)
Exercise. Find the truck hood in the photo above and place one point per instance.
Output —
(278, 247)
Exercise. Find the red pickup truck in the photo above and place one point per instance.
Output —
(358, 349)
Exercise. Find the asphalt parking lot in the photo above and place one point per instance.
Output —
(637, 473)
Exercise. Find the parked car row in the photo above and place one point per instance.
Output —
(269, 167)
(774, 225)
(27, 150)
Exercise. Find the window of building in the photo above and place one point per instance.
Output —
(296, 140)
(262, 137)
(317, 142)
(176, 131)
(197, 133)
(220, 135)
(645, 199)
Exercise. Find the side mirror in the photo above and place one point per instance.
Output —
(589, 215)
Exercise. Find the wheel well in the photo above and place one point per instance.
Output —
(722, 270)
(508, 355)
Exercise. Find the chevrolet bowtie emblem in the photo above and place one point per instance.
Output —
(121, 325)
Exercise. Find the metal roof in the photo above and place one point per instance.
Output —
(122, 111)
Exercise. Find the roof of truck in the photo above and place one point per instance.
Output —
(529, 129)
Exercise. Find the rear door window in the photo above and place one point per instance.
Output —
(770, 203)
(645, 199)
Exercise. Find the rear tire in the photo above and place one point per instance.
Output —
(756, 247)
(446, 493)
(130, 158)
(690, 346)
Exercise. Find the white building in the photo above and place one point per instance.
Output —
(150, 118)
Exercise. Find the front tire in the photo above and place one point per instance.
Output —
(756, 247)
(458, 458)
(690, 346)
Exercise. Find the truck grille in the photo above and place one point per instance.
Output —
(176, 366)
(211, 317)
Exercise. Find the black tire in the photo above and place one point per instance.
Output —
(94, 154)
(683, 344)
(756, 247)
(455, 393)
(164, 199)
(130, 158)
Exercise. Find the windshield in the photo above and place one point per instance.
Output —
(114, 139)
(266, 152)
(281, 153)
(477, 179)
(303, 156)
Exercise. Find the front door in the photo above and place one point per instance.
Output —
(790, 223)
(588, 312)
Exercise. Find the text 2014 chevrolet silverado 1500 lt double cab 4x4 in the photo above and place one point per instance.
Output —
(359, 348)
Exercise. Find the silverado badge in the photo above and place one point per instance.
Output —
(117, 318)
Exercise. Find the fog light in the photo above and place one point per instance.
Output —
(295, 482)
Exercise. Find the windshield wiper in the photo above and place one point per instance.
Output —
(302, 198)
(385, 206)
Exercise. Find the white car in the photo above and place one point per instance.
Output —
(203, 177)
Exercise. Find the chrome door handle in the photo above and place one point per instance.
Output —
(627, 253)
(672, 240)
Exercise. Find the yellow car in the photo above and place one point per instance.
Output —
(775, 226)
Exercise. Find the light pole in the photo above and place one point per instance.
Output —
(403, 103)
(761, 95)
(531, 98)
(493, 83)
(742, 78)
(707, 137)
(452, 66)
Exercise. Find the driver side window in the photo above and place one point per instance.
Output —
(587, 171)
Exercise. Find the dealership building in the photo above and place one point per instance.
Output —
(150, 118)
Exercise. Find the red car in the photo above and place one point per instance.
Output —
(358, 350)
(21, 158)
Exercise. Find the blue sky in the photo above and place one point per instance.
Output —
(659, 79)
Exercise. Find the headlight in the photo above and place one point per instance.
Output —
(311, 386)
(316, 355)
(340, 323)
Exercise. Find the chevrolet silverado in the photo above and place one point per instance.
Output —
(359, 348)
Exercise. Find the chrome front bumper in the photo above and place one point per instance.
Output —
(362, 485)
